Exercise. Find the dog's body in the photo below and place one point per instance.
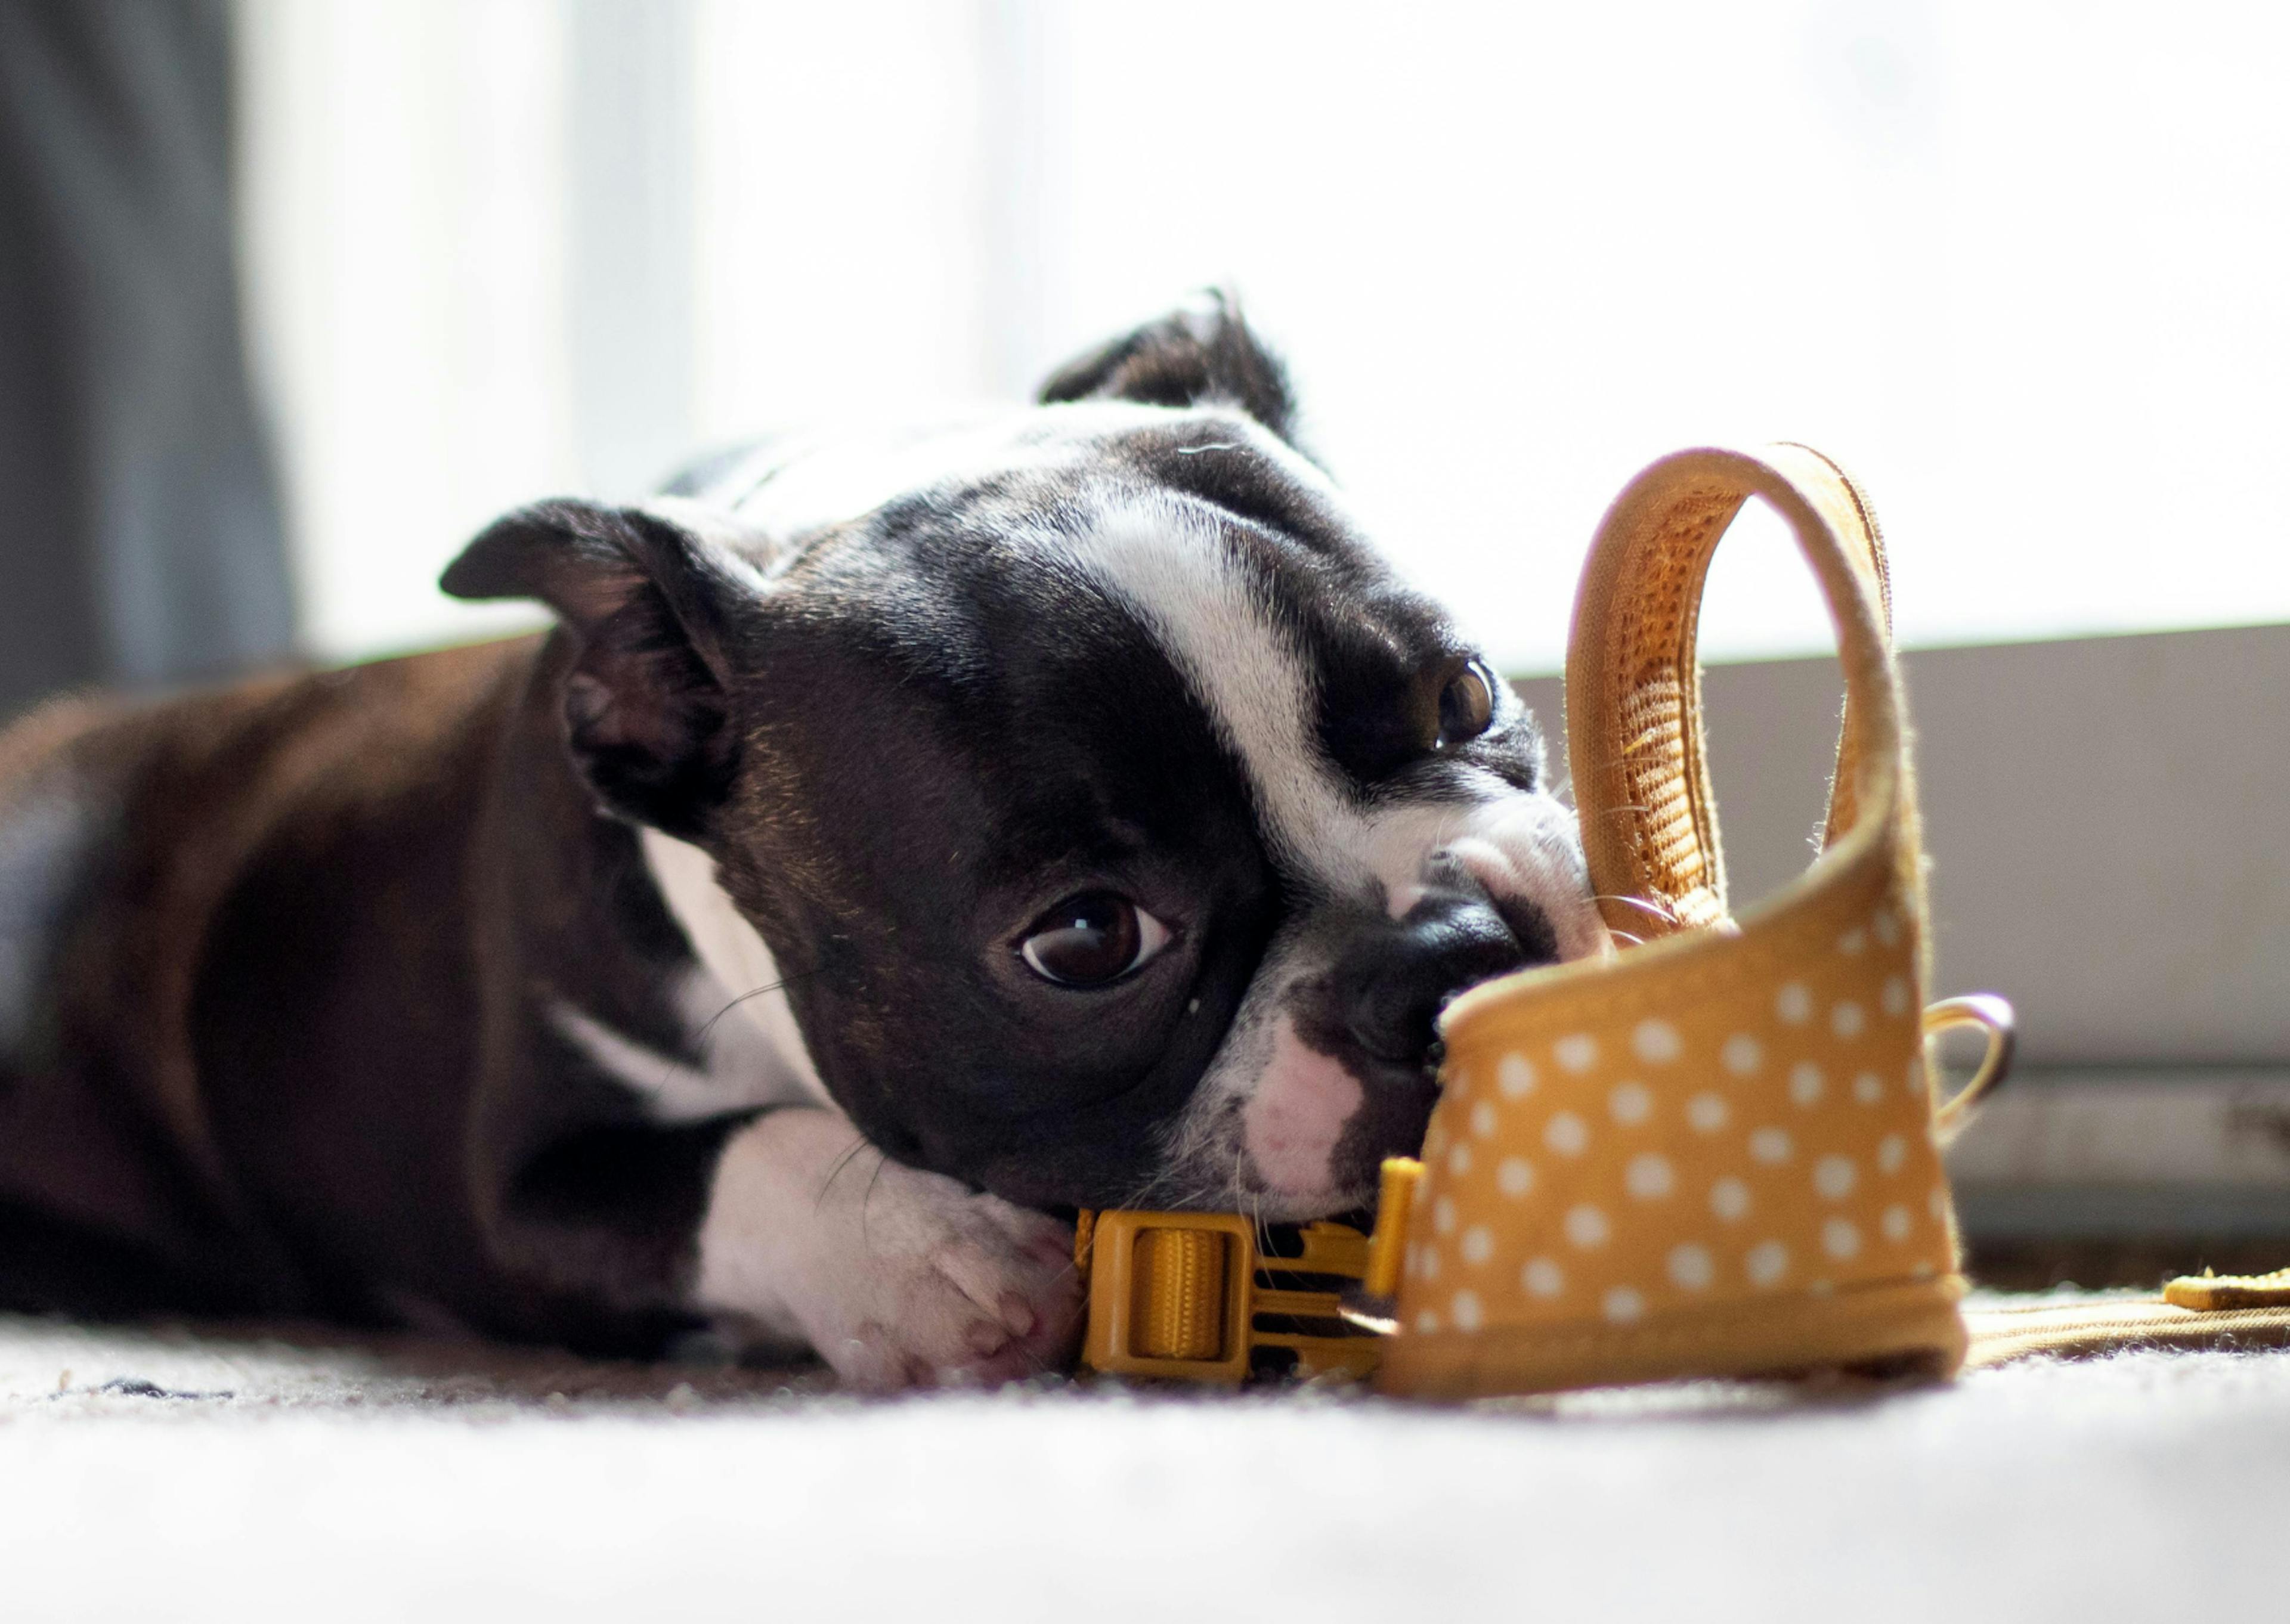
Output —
(894, 840)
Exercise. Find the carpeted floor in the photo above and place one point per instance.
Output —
(174, 1475)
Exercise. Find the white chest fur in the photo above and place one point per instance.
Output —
(732, 1004)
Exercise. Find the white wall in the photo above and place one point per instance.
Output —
(2104, 817)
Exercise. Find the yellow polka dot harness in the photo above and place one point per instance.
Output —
(1712, 1153)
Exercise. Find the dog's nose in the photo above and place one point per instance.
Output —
(1452, 939)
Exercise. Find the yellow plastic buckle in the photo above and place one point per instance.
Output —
(1179, 1295)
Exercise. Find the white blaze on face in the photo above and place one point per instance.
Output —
(1168, 559)
(1171, 561)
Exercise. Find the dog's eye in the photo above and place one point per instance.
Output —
(1092, 939)
(1467, 704)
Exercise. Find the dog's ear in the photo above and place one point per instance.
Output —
(1202, 353)
(645, 705)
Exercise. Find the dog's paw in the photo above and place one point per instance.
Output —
(944, 1287)
(896, 1277)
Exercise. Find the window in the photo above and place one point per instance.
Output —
(2019, 266)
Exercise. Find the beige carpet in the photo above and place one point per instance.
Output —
(162, 1475)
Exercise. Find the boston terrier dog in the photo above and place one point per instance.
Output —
(896, 844)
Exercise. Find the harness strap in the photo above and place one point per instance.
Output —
(1633, 680)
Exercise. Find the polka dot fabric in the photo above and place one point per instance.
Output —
(1714, 1153)
(1685, 1151)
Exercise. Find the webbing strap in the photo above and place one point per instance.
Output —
(1633, 679)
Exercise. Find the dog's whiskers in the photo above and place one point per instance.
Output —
(1644, 905)
(867, 1196)
(858, 1143)
(785, 981)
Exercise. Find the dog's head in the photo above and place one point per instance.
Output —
(1119, 821)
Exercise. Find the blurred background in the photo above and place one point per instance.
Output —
(295, 294)
(2022, 265)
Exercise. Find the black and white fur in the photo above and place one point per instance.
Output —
(667, 972)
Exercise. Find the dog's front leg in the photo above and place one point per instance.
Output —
(896, 1277)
